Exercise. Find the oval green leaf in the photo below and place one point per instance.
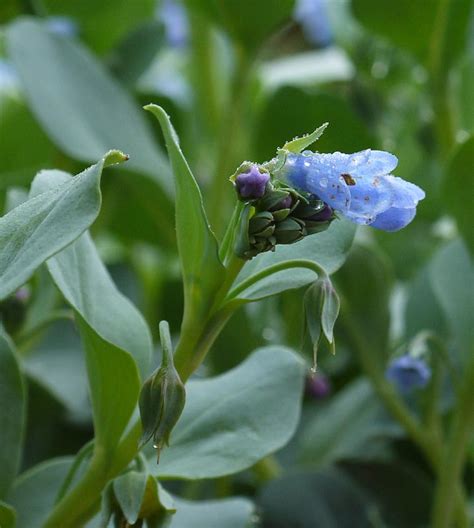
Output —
(233, 420)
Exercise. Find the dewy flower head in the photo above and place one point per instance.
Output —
(359, 186)
(408, 373)
(251, 184)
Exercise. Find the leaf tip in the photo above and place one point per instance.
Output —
(115, 156)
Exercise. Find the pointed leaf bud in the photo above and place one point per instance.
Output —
(162, 397)
(321, 304)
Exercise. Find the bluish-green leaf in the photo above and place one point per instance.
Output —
(352, 424)
(225, 513)
(328, 249)
(114, 384)
(365, 284)
(80, 106)
(86, 284)
(202, 270)
(452, 279)
(129, 491)
(45, 224)
(35, 491)
(12, 415)
(324, 499)
(233, 420)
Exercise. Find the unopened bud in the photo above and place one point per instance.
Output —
(251, 185)
(162, 397)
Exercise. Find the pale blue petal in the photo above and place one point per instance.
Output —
(371, 163)
(405, 194)
(394, 219)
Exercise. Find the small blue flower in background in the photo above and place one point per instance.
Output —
(359, 186)
(251, 185)
(313, 17)
(408, 373)
(173, 16)
(63, 26)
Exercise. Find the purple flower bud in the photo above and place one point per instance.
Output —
(251, 185)
(408, 373)
(318, 386)
(322, 216)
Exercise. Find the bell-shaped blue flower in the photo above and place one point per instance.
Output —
(359, 186)
(408, 373)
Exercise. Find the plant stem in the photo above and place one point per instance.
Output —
(439, 79)
(77, 506)
(428, 441)
(455, 452)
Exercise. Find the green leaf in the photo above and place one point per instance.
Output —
(456, 184)
(365, 284)
(300, 143)
(13, 415)
(203, 272)
(45, 224)
(352, 424)
(247, 21)
(452, 279)
(129, 491)
(58, 366)
(417, 29)
(17, 129)
(235, 419)
(34, 493)
(328, 249)
(86, 284)
(102, 24)
(80, 106)
(7, 516)
(114, 384)
(324, 499)
(225, 513)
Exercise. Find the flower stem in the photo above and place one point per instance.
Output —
(429, 441)
(455, 452)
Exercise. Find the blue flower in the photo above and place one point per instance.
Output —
(251, 185)
(174, 18)
(313, 17)
(359, 186)
(408, 373)
(62, 26)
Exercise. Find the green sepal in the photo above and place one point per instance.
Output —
(298, 144)
(321, 305)
(242, 243)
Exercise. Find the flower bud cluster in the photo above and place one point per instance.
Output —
(281, 216)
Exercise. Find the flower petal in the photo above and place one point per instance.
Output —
(394, 219)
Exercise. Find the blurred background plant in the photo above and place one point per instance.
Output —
(386, 431)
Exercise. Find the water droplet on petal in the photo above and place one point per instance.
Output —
(323, 182)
